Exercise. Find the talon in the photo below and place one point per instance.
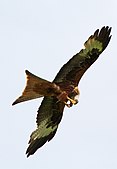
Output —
(76, 90)
(68, 105)
(72, 101)
(76, 101)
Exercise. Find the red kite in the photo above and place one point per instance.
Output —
(62, 91)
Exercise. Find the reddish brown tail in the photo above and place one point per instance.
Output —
(35, 88)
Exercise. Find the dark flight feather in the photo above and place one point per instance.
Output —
(51, 109)
(70, 73)
(74, 69)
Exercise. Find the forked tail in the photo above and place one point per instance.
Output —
(35, 88)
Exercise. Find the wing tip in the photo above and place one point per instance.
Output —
(35, 145)
(102, 35)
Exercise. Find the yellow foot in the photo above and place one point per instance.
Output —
(68, 105)
(63, 97)
(76, 90)
(72, 101)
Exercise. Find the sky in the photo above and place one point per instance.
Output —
(41, 36)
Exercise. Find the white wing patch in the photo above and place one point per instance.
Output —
(90, 45)
(42, 131)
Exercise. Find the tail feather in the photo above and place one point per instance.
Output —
(36, 87)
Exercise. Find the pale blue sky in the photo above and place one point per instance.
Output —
(41, 36)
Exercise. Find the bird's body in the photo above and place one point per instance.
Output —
(62, 91)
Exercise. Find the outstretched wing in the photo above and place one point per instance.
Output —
(51, 111)
(74, 69)
(49, 116)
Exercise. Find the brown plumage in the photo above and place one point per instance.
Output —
(62, 91)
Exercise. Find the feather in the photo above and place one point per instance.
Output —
(51, 109)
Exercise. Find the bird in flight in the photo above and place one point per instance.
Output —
(62, 91)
